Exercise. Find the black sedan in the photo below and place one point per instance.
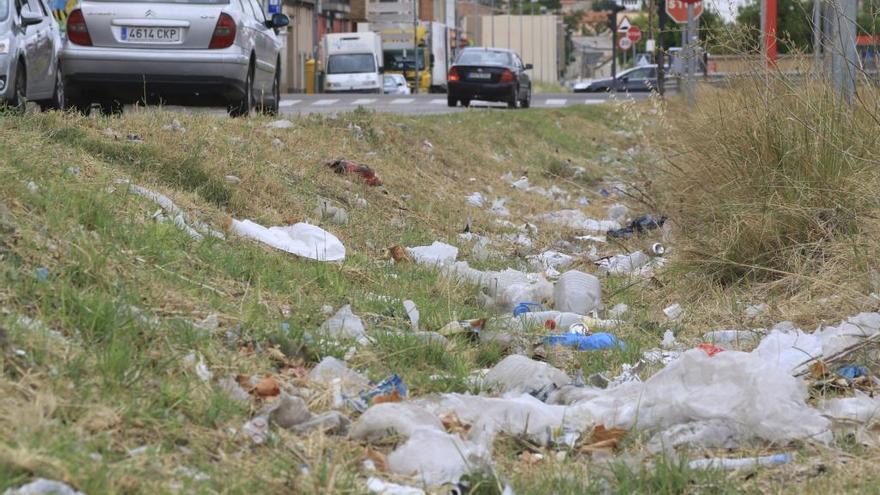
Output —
(489, 74)
(637, 79)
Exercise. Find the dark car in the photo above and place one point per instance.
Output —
(489, 74)
(637, 79)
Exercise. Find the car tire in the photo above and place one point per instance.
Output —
(59, 98)
(527, 101)
(110, 107)
(514, 99)
(276, 94)
(244, 106)
(18, 102)
(465, 102)
(451, 101)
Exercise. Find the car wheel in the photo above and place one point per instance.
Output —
(58, 100)
(19, 91)
(451, 101)
(276, 94)
(110, 107)
(244, 106)
(465, 102)
(514, 99)
(527, 101)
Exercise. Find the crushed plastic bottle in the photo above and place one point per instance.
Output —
(577, 292)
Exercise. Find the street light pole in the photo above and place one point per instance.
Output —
(416, 45)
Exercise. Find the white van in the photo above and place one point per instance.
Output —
(352, 63)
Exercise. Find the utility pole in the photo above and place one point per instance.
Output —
(661, 63)
(493, 22)
(691, 54)
(845, 58)
(415, 46)
(817, 36)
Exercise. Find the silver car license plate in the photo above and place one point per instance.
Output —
(150, 34)
(481, 75)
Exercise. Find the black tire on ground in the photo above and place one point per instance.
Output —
(465, 102)
(17, 103)
(513, 100)
(276, 94)
(244, 106)
(110, 107)
(527, 101)
(451, 101)
(59, 97)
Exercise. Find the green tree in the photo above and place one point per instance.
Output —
(794, 25)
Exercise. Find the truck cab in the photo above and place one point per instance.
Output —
(353, 63)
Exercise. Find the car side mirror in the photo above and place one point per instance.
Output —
(278, 21)
(529, 67)
(30, 19)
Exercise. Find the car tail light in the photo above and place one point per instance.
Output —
(453, 75)
(77, 31)
(506, 76)
(224, 32)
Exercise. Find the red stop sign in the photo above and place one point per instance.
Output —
(678, 10)
(634, 34)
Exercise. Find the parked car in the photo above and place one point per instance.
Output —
(30, 42)
(642, 78)
(489, 74)
(395, 84)
(198, 52)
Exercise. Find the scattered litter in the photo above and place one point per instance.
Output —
(177, 215)
(734, 339)
(257, 429)
(576, 219)
(301, 239)
(210, 323)
(861, 409)
(709, 349)
(756, 310)
(436, 457)
(618, 310)
(330, 369)
(375, 485)
(427, 146)
(476, 199)
(32, 187)
(638, 226)
(135, 138)
(617, 212)
(42, 486)
(74, 170)
(345, 325)
(202, 371)
(550, 259)
(289, 411)
(527, 307)
(331, 422)
(438, 253)
(470, 328)
(851, 372)
(234, 390)
(174, 126)
(498, 207)
(413, 312)
(280, 124)
(381, 421)
(366, 173)
(326, 211)
(577, 292)
(42, 273)
(517, 373)
(277, 143)
(674, 311)
(744, 463)
(267, 387)
(594, 342)
(658, 249)
(668, 340)
(635, 263)
(232, 179)
(391, 389)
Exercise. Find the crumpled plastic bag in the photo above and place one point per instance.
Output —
(438, 253)
(436, 457)
(398, 418)
(860, 409)
(42, 486)
(302, 239)
(345, 325)
(519, 374)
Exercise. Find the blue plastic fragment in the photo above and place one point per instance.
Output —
(284, 326)
(527, 307)
(594, 342)
(42, 274)
(852, 371)
(386, 387)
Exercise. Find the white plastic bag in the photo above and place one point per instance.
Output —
(301, 239)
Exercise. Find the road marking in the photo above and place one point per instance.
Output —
(324, 103)
(593, 102)
(555, 101)
(364, 101)
(289, 103)
(402, 101)
(438, 101)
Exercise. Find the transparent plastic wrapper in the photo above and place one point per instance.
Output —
(576, 219)
(301, 239)
(438, 253)
(733, 339)
(42, 486)
(400, 418)
(617, 212)
(345, 325)
(712, 434)
(550, 259)
(577, 292)
(625, 264)
(520, 374)
(859, 409)
(743, 463)
(757, 398)
(330, 369)
(380, 487)
(436, 457)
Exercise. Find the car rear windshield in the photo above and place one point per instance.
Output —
(484, 57)
(4, 9)
(356, 63)
(196, 2)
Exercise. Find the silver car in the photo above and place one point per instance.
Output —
(30, 42)
(176, 51)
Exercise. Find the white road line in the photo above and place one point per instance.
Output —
(556, 101)
(438, 101)
(364, 101)
(324, 103)
(402, 101)
(593, 102)
(289, 103)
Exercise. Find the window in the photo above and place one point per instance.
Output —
(37, 6)
(197, 2)
(402, 60)
(484, 57)
(351, 63)
(4, 9)
(259, 15)
(643, 73)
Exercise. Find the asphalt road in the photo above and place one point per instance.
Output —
(424, 104)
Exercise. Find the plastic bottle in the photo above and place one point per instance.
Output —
(577, 292)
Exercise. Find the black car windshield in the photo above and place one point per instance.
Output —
(4, 9)
(197, 2)
(402, 60)
(351, 63)
(484, 57)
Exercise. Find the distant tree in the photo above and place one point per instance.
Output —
(794, 25)
(601, 5)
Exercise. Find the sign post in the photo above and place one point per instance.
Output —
(687, 12)
(634, 34)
